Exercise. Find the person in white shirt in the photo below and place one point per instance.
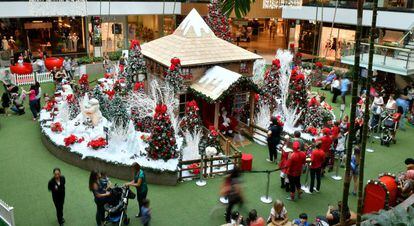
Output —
(278, 214)
(391, 106)
(376, 109)
(336, 89)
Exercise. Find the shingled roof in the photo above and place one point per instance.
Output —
(194, 43)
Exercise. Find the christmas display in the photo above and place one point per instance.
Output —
(119, 114)
(174, 76)
(162, 143)
(217, 21)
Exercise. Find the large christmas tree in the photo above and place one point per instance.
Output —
(217, 21)
(271, 88)
(162, 143)
(136, 64)
(174, 76)
(191, 121)
(118, 113)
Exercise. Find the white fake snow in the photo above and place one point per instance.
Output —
(215, 81)
(120, 149)
(195, 22)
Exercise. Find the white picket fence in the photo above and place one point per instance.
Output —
(6, 213)
(29, 79)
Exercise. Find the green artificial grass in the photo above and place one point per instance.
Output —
(26, 166)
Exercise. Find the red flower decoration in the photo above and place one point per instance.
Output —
(139, 86)
(313, 102)
(312, 130)
(299, 55)
(195, 168)
(70, 140)
(97, 143)
(107, 75)
(276, 62)
(319, 65)
(56, 127)
(84, 79)
(50, 105)
(110, 93)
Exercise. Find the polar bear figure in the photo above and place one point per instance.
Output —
(90, 110)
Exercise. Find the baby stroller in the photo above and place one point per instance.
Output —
(116, 208)
(388, 128)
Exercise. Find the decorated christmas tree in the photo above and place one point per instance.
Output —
(83, 84)
(174, 76)
(141, 122)
(136, 64)
(191, 121)
(103, 101)
(271, 88)
(162, 143)
(298, 96)
(317, 115)
(74, 108)
(211, 140)
(217, 21)
(118, 113)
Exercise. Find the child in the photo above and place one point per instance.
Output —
(145, 213)
(301, 221)
(104, 181)
(278, 214)
(284, 181)
(355, 168)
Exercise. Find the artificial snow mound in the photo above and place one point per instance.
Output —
(194, 25)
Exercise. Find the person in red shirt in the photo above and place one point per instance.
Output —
(326, 142)
(284, 183)
(317, 159)
(294, 170)
(334, 135)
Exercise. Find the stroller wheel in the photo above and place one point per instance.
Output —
(382, 142)
(126, 220)
(387, 144)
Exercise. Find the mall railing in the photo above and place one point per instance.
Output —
(394, 56)
(403, 6)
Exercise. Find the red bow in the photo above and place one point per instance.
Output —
(300, 77)
(172, 67)
(161, 109)
(313, 102)
(175, 61)
(193, 104)
(84, 79)
(135, 44)
(319, 65)
(292, 45)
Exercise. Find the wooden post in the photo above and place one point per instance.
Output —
(251, 100)
(216, 115)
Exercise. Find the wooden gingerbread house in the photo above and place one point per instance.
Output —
(217, 73)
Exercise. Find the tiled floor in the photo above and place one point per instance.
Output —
(265, 45)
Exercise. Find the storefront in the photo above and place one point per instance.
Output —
(149, 27)
(333, 40)
(108, 32)
(54, 35)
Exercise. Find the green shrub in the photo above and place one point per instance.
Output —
(114, 56)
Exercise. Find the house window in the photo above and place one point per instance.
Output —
(241, 101)
(181, 105)
(186, 73)
(244, 68)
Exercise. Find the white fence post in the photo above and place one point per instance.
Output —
(7, 213)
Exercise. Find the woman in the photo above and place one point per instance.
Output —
(278, 214)
(376, 109)
(391, 106)
(56, 185)
(140, 183)
(231, 189)
(335, 87)
(38, 90)
(273, 138)
(32, 101)
(355, 168)
(254, 220)
(100, 196)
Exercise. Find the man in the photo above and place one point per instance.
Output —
(326, 142)
(140, 183)
(403, 103)
(317, 159)
(329, 79)
(294, 170)
(273, 138)
(335, 87)
(67, 65)
(344, 88)
(296, 137)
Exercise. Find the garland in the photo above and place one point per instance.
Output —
(242, 82)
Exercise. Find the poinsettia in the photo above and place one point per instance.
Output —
(83, 79)
(312, 130)
(56, 127)
(71, 139)
(319, 65)
(195, 168)
(110, 93)
(139, 86)
(97, 143)
(50, 105)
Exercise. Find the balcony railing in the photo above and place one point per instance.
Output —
(393, 5)
(393, 59)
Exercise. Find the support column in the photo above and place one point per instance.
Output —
(252, 105)
(216, 115)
